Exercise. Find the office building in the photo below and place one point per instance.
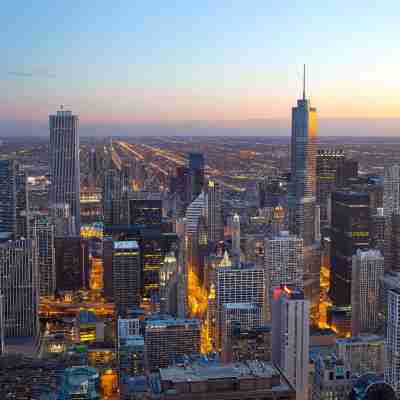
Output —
(291, 337)
(239, 285)
(392, 360)
(168, 338)
(62, 220)
(350, 231)
(272, 192)
(88, 328)
(145, 208)
(22, 204)
(8, 200)
(169, 285)
(196, 170)
(72, 264)
(19, 287)
(371, 386)
(378, 230)
(391, 212)
(328, 161)
(284, 261)
(126, 274)
(236, 251)
(363, 354)
(214, 212)
(64, 163)
(114, 199)
(42, 230)
(245, 315)
(131, 356)
(183, 185)
(347, 170)
(332, 379)
(302, 190)
(249, 380)
(367, 270)
(390, 280)
(248, 344)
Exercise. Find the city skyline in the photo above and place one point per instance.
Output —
(199, 69)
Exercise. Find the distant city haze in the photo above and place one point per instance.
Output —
(200, 68)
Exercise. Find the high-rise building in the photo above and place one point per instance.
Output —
(236, 236)
(8, 200)
(19, 288)
(364, 353)
(126, 275)
(64, 162)
(239, 285)
(22, 204)
(284, 261)
(328, 161)
(332, 379)
(378, 230)
(72, 263)
(350, 231)
(346, 171)
(196, 169)
(113, 196)
(169, 338)
(246, 315)
(367, 270)
(302, 192)
(183, 184)
(249, 380)
(145, 208)
(391, 212)
(272, 192)
(42, 230)
(291, 337)
(214, 212)
(392, 360)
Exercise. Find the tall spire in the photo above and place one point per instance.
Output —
(304, 81)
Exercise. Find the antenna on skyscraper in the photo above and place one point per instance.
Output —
(304, 81)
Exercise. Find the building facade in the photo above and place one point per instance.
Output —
(64, 162)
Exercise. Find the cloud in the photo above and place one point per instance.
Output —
(36, 73)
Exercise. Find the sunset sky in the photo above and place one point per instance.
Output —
(122, 65)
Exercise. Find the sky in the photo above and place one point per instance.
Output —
(203, 67)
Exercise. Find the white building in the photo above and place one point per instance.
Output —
(368, 268)
(236, 236)
(291, 337)
(284, 261)
(64, 162)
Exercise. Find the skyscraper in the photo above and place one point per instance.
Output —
(284, 261)
(8, 199)
(302, 192)
(22, 204)
(367, 271)
(236, 236)
(291, 337)
(196, 169)
(391, 212)
(328, 162)
(64, 162)
(126, 274)
(214, 212)
(19, 278)
(350, 231)
(392, 362)
(43, 232)
(113, 196)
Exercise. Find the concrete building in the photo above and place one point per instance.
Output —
(332, 379)
(392, 361)
(364, 353)
(19, 287)
(284, 261)
(367, 270)
(64, 162)
(42, 230)
(8, 199)
(168, 338)
(239, 285)
(214, 212)
(291, 337)
(126, 274)
(250, 380)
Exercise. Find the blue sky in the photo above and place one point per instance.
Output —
(123, 63)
